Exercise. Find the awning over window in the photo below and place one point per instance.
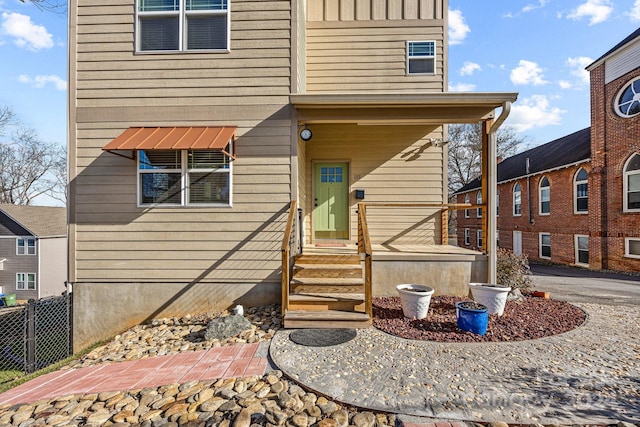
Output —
(174, 138)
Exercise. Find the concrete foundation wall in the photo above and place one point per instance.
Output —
(447, 276)
(102, 310)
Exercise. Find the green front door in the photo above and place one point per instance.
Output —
(331, 201)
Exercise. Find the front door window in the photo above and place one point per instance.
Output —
(331, 201)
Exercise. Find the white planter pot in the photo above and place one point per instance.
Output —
(492, 296)
(415, 300)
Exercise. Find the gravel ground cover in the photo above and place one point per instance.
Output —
(522, 320)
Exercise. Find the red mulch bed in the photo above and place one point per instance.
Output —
(529, 319)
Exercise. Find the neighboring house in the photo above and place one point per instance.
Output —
(194, 125)
(579, 202)
(33, 251)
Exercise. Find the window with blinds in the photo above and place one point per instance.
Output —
(421, 57)
(182, 25)
(186, 177)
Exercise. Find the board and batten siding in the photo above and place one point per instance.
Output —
(361, 45)
(116, 88)
(393, 164)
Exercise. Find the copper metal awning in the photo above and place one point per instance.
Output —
(174, 138)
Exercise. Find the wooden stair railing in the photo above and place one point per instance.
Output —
(364, 248)
(287, 259)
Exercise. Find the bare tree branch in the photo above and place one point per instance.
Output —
(29, 167)
(54, 6)
(465, 151)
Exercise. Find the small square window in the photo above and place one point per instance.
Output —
(421, 57)
(632, 248)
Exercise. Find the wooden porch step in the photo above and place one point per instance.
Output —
(327, 270)
(328, 259)
(325, 301)
(326, 285)
(326, 319)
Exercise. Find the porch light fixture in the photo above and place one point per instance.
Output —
(305, 134)
(437, 142)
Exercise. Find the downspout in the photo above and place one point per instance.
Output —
(492, 182)
(529, 191)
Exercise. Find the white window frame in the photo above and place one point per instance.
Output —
(540, 196)
(632, 101)
(479, 202)
(513, 194)
(575, 192)
(576, 237)
(540, 245)
(498, 203)
(410, 57)
(26, 247)
(467, 237)
(184, 182)
(466, 211)
(479, 239)
(182, 14)
(625, 184)
(23, 282)
(627, 245)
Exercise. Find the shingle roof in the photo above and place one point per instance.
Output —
(42, 221)
(561, 152)
(629, 38)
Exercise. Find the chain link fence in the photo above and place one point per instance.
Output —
(34, 335)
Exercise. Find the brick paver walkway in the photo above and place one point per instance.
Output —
(221, 362)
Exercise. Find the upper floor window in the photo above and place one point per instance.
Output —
(632, 184)
(581, 191)
(467, 239)
(182, 25)
(545, 196)
(421, 57)
(498, 203)
(466, 200)
(184, 177)
(479, 202)
(479, 239)
(517, 200)
(627, 103)
(25, 246)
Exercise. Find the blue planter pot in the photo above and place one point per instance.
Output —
(472, 320)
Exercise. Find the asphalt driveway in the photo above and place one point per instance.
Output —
(581, 285)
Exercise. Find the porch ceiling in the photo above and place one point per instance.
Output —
(399, 108)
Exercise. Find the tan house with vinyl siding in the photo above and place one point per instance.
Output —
(186, 151)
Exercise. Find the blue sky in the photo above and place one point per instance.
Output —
(538, 48)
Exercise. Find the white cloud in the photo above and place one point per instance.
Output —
(565, 84)
(468, 68)
(578, 65)
(462, 87)
(41, 81)
(634, 13)
(597, 10)
(534, 112)
(458, 28)
(527, 72)
(26, 33)
(530, 7)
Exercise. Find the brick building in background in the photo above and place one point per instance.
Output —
(575, 200)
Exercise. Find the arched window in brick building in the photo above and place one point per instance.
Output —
(544, 193)
(479, 202)
(581, 192)
(517, 200)
(632, 184)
